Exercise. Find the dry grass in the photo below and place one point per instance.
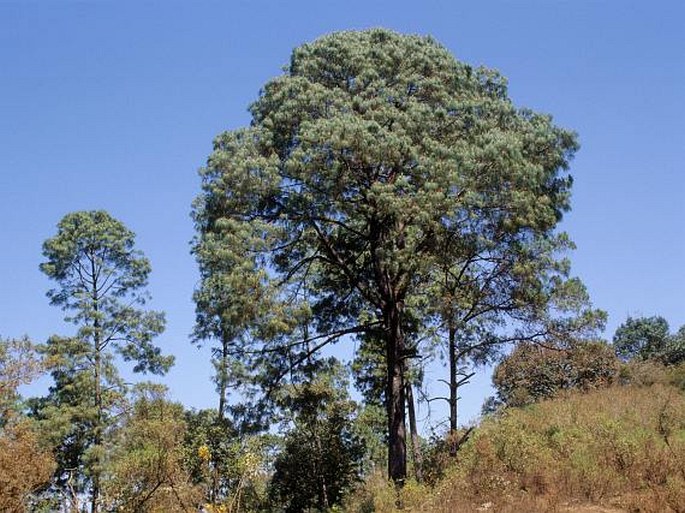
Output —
(612, 450)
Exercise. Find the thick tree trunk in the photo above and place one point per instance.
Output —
(395, 398)
(414, 433)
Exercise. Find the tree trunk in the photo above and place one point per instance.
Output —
(97, 363)
(415, 442)
(395, 399)
(97, 436)
(319, 468)
(454, 386)
(223, 378)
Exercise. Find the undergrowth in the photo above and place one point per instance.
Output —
(622, 447)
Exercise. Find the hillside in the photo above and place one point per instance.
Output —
(611, 450)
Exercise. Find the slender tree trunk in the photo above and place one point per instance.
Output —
(454, 385)
(223, 378)
(320, 468)
(395, 399)
(97, 363)
(415, 442)
(223, 399)
(97, 438)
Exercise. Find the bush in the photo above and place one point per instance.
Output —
(532, 372)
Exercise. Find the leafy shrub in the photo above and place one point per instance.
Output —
(532, 372)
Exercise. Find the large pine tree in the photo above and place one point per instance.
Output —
(373, 164)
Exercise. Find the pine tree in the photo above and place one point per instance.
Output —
(374, 163)
(101, 280)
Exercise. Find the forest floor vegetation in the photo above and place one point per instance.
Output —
(619, 449)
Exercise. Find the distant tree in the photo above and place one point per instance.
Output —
(676, 348)
(371, 426)
(19, 364)
(221, 314)
(101, 281)
(533, 372)
(223, 307)
(649, 338)
(475, 312)
(146, 470)
(374, 163)
(641, 337)
(322, 454)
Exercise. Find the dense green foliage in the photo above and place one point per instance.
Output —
(648, 338)
(322, 453)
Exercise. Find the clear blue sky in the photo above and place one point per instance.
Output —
(114, 104)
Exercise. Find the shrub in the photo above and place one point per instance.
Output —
(532, 372)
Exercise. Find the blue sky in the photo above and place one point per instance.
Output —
(114, 104)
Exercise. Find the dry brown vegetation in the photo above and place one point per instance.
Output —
(25, 463)
(24, 466)
(611, 450)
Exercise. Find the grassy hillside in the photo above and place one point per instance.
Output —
(616, 449)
